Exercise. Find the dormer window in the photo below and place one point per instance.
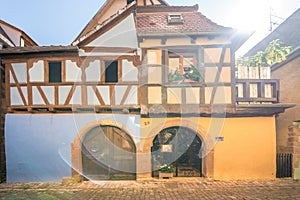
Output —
(22, 42)
(175, 19)
(129, 1)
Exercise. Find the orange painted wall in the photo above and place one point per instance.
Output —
(248, 150)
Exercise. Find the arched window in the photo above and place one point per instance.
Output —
(108, 153)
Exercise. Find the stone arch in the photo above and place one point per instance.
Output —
(208, 159)
(76, 146)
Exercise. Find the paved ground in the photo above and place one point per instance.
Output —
(176, 188)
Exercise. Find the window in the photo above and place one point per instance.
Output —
(183, 68)
(22, 42)
(175, 19)
(111, 71)
(130, 1)
(55, 72)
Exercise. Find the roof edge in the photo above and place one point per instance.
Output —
(163, 8)
(37, 49)
(27, 37)
(290, 57)
(106, 3)
(113, 19)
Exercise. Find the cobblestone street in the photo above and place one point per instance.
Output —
(176, 188)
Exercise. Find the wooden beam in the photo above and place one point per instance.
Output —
(29, 87)
(18, 85)
(43, 95)
(109, 49)
(120, 70)
(218, 75)
(56, 95)
(125, 95)
(112, 94)
(84, 94)
(98, 95)
(7, 84)
(63, 70)
(233, 79)
(70, 95)
(46, 71)
(163, 40)
(102, 71)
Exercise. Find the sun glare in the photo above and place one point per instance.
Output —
(254, 16)
(251, 14)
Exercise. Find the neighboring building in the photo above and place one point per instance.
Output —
(288, 132)
(2, 116)
(10, 36)
(144, 84)
(288, 32)
(288, 73)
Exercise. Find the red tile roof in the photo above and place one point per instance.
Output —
(194, 22)
(37, 49)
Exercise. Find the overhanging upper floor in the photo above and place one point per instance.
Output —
(63, 79)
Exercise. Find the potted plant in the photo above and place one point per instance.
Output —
(190, 74)
(166, 171)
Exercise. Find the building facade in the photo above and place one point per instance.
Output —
(287, 72)
(145, 84)
(10, 36)
(288, 122)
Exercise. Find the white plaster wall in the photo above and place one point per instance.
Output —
(15, 97)
(76, 99)
(122, 35)
(93, 72)
(36, 73)
(49, 92)
(38, 146)
(20, 71)
(73, 73)
(63, 93)
(129, 71)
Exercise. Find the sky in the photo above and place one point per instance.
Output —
(58, 22)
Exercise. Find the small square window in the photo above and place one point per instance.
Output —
(175, 19)
(111, 71)
(54, 72)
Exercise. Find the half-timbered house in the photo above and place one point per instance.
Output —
(10, 36)
(143, 85)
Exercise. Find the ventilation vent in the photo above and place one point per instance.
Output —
(175, 19)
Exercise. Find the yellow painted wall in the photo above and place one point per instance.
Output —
(247, 152)
(213, 55)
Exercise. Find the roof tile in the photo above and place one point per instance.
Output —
(193, 22)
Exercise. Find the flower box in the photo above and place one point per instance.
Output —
(165, 175)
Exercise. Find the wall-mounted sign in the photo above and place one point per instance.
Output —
(219, 139)
(166, 148)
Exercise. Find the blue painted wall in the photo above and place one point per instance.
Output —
(38, 146)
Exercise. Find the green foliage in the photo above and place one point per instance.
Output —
(166, 168)
(274, 53)
(193, 74)
(175, 76)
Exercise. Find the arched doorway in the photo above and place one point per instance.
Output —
(108, 153)
(180, 147)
